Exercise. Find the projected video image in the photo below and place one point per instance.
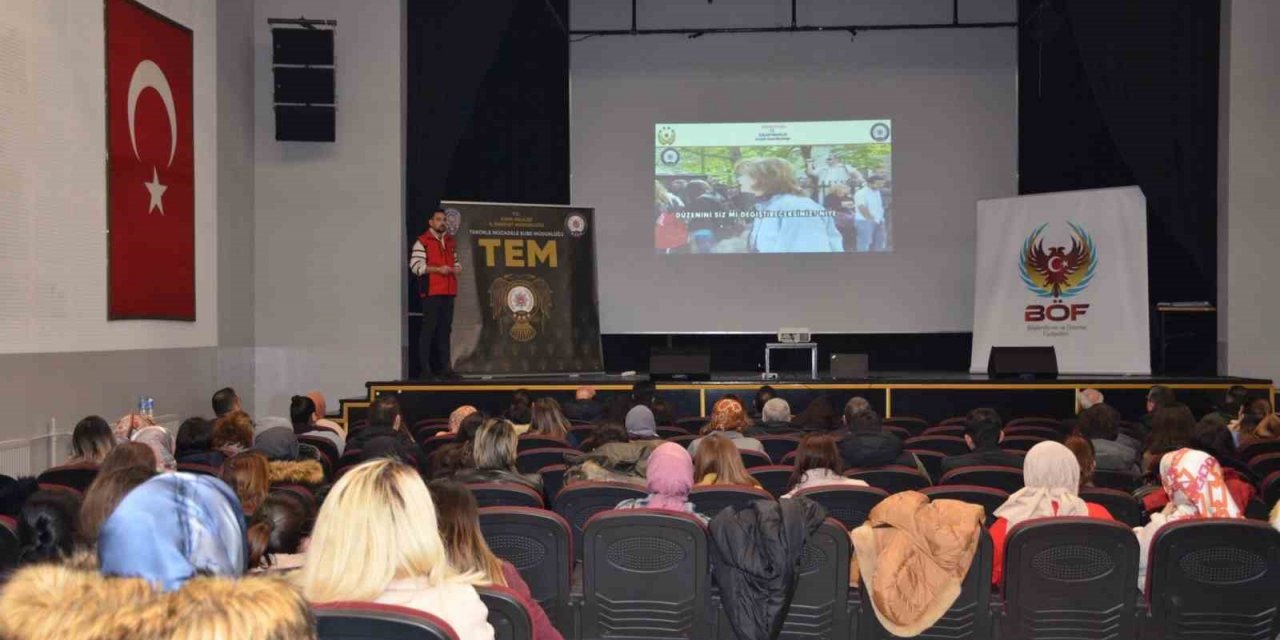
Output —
(773, 187)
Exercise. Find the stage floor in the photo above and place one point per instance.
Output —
(929, 395)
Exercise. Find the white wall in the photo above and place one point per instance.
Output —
(53, 205)
(328, 217)
(1248, 156)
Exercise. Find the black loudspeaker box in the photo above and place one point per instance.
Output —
(1028, 363)
(849, 366)
(666, 364)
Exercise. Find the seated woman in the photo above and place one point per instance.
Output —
(1196, 488)
(304, 417)
(248, 476)
(641, 424)
(194, 444)
(161, 444)
(1086, 457)
(603, 434)
(104, 495)
(377, 540)
(668, 479)
(728, 420)
(279, 532)
(469, 553)
(91, 441)
(233, 433)
(451, 458)
(1052, 484)
(718, 462)
(818, 464)
(1171, 429)
(494, 454)
(549, 421)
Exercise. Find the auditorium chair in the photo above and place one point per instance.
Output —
(691, 425)
(372, 621)
(78, 476)
(932, 462)
(1051, 423)
(900, 432)
(538, 543)
(789, 459)
(986, 497)
(955, 430)
(10, 546)
(552, 482)
(1262, 466)
(529, 442)
(850, 505)
(1118, 480)
(1256, 509)
(1043, 433)
(1070, 578)
(777, 447)
(954, 420)
(1007, 479)
(297, 490)
(968, 618)
(752, 459)
(434, 444)
(1255, 449)
(1122, 506)
(645, 574)
(946, 445)
(671, 432)
(422, 433)
(819, 606)
(891, 478)
(325, 446)
(1271, 489)
(683, 440)
(509, 619)
(51, 486)
(775, 478)
(577, 502)
(582, 431)
(710, 499)
(1020, 443)
(199, 469)
(533, 459)
(915, 426)
(505, 494)
(1214, 579)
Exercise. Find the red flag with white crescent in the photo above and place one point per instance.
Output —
(150, 165)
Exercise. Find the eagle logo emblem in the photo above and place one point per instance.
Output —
(522, 304)
(1058, 272)
(666, 136)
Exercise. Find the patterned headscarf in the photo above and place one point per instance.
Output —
(1051, 474)
(1196, 487)
(160, 442)
(458, 415)
(727, 415)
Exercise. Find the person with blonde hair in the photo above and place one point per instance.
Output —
(549, 420)
(377, 539)
(494, 453)
(718, 462)
(773, 181)
(728, 420)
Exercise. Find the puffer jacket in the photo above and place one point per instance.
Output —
(34, 605)
(755, 553)
(303, 472)
(913, 555)
(612, 462)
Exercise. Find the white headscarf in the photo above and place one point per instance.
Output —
(1051, 476)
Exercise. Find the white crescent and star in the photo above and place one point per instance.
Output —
(148, 75)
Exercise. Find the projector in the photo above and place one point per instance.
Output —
(793, 335)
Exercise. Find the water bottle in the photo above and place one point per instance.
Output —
(142, 405)
(151, 407)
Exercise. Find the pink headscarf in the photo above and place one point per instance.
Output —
(161, 444)
(669, 477)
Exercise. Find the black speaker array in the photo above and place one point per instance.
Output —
(304, 97)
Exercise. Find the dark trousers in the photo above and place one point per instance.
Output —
(433, 340)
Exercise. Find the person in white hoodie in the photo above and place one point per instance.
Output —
(377, 540)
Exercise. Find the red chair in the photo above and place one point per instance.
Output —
(49, 486)
(954, 420)
(956, 430)
(552, 481)
(373, 621)
(505, 494)
(1122, 506)
(1051, 423)
(577, 502)
(1263, 465)
(683, 440)
(508, 617)
(902, 432)
(892, 478)
(671, 432)
(10, 545)
(915, 425)
(77, 476)
(1255, 449)
(434, 444)
(1006, 479)
(1020, 443)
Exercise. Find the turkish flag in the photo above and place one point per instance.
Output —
(150, 166)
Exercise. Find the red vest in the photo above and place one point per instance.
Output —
(439, 256)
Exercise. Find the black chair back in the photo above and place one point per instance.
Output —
(950, 430)
(1123, 506)
(1271, 489)
(538, 544)
(932, 462)
(505, 494)
(531, 460)
(1070, 578)
(199, 469)
(645, 574)
(1049, 423)
(10, 545)
(671, 432)
(893, 478)
(777, 447)
(509, 619)
(371, 621)
(1265, 464)
(529, 442)
(902, 432)
(915, 425)
(969, 617)
(1118, 480)
(752, 459)
(77, 476)
(552, 482)
(1255, 449)
(1214, 578)
(577, 502)
(989, 499)
(1006, 479)
(849, 505)
(431, 445)
(1044, 433)
(325, 446)
(1020, 443)
(946, 445)
(954, 420)
(774, 478)
(819, 605)
(711, 499)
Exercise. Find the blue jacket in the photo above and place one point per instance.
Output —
(808, 234)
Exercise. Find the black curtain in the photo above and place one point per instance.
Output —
(1116, 93)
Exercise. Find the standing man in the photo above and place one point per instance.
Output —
(870, 215)
(435, 256)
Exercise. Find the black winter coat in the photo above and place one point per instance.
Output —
(755, 553)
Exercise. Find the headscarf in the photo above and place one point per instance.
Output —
(458, 415)
(1196, 487)
(317, 398)
(128, 424)
(1051, 475)
(641, 423)
(727, 415)
(669, 477)
(173, 527)
(277, 443)
(161, 443)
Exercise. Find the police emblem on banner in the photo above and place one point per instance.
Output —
(452, 221)
(576, 225)
(522, 301)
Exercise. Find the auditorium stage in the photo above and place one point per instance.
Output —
(932, 396)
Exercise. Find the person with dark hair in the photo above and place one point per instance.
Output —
(106, 492)
(584, 407)
(232, 433)
(616, 409)
(48, 527)
(469, 553)
(279, 532)
(1100, 424)
(663, 416)
(983, 431)
(1159, 397)
(91, 441)
(763, 395)
(385, 421)
(867, 445)
(1236, 398)
(456, 456)
(818, 464)
(194, 444)
(14, 493)
(434, 259)
(303, 415)
(1085, 455)
(603, 434)
(225, 401)
(643, 392)
(820, 415)
(1172, 428)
